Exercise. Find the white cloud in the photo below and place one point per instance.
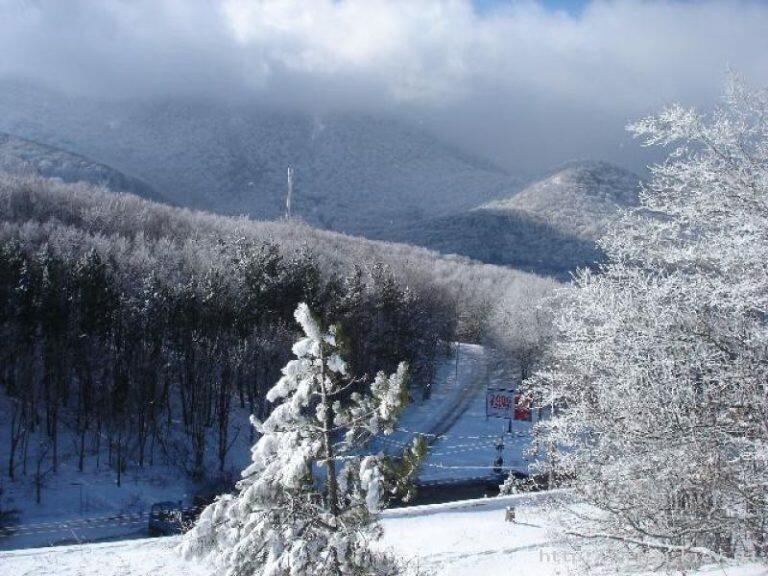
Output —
(518, 68)
(615, 53)
(413, 50)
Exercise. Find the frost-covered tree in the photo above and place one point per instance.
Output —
(308, 502)
(521, 327)
(660, 369)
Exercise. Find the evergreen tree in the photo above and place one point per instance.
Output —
(308, 503)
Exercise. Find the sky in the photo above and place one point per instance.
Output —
(570, 6)
(526, 83)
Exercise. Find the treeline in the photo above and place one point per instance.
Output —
(122, 224)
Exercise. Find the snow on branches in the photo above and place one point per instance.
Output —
(660, 370)
(307, 503)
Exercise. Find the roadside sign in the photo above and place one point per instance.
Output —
(500, 404)
(507, 404)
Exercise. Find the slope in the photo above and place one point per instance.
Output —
(503, 237)
(549, 227)
(580, 198)
(170, 247)
(22, 156)
(95, 213)
(353, 171)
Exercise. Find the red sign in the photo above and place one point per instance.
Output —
(522, 407)
(500, 404)
(508, 404)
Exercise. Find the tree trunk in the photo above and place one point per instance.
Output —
(119, 461)
(55, 439)
(330, 463)
(81, 457)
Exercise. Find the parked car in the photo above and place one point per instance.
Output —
(167, 518)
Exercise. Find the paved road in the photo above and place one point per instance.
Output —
(451, 396)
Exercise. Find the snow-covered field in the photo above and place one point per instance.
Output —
(468, 538)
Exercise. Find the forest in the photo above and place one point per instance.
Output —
(121, 318)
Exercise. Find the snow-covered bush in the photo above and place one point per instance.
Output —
(308, 502)
(660, 370)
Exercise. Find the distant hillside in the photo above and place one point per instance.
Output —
(365, 175)
(580, 198)
(505, 237)
(67, 210)
(550, 227)
(22, 156)
(352, 171)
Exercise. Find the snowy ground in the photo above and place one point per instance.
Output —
(86, 506)
(453, 418)
(460, 539)
(469, 447)
(454, 387)
(463, 440)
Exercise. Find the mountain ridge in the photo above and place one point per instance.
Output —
(352, 171)
(20, 155)
(579, 197)
(358, 174)
(549, 227)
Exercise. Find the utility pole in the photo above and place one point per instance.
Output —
(552, 447)
(458, 348)
(289, 194)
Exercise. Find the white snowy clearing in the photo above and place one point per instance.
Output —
(469, 538)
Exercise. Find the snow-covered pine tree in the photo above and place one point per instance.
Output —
(307, 504)
(660, 368)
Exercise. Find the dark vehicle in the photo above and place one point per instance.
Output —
(167, 518)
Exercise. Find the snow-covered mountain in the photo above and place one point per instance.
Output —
(550, 226)
(352, 171)
(19, 155)
(362, 174)
(505, 237)
(580, 198)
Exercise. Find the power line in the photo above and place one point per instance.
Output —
(462, 437)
